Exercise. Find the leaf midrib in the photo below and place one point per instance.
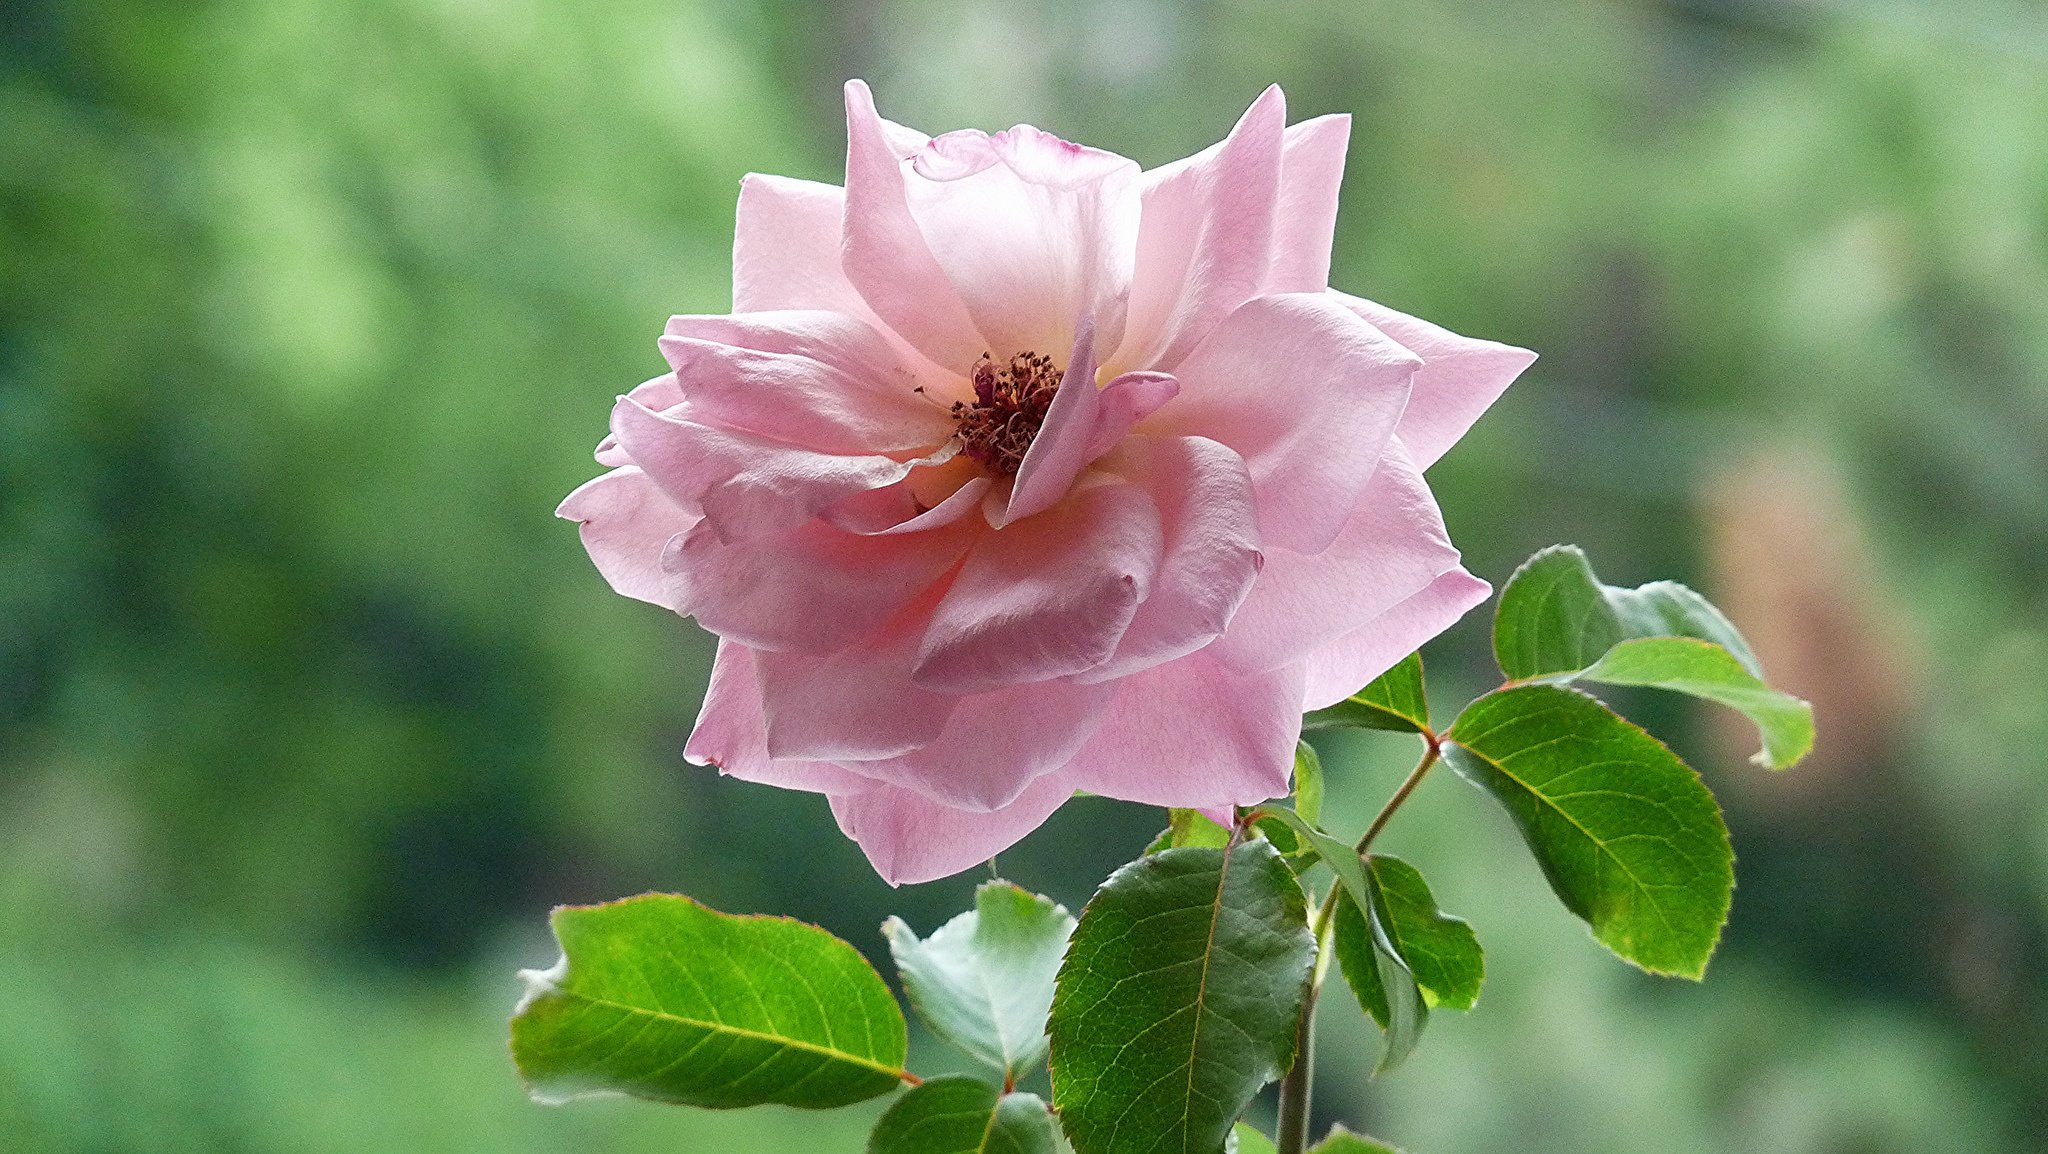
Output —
(736, 1031)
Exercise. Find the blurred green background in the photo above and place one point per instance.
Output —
(309, 709)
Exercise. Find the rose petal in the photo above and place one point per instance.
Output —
(626, 523)
(1460, 377)
(1307, 395)
(996, 744)
(660, 394)
(853, 703)
(885, 257)
(1392, 546)
(730, 733)
(1211, 556)
(1305, 225)
(810, 589)
(1205, 238)
(822, 380)
(910, 838)
(785, 247)
(1192, 733)
(1047, 596)
(1347, 665)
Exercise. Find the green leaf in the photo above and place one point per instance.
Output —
(1342, 1141)
(659, 997)
(1629, 838)
(1245, 1139)
(1556, 617)
(1179, 999)
(1441, 951)
(984, 980)
(1708, 671)
(960, 1115)
(1394, 701)
(1308, 782)
(1188, 827)
(1406, 1013)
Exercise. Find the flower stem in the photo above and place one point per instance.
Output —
(1386, 814)
(1292, 1136)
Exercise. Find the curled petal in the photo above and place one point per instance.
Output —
(1392, 547)
(1205, 238)
(884, 256)
(626, 523)
(1304, 227)
(659, 394)
(1460, 377)
(1307, 395)
(731, 734)
(810, 589)
(995, 744)
(785, 247)
(1195, 734)
(1047, 596)
(911, 838)
(1343, 667)
(1211, 555)
(852, 703)
(1083, 423)
(826, 381)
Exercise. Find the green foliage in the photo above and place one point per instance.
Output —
(1178, 999)
(1342, 1141)
(1394, 701)
(1246, 1139)
(1188, 828)
(984, 980)
(1308, 782)
(1555, 617)
(964, 1116)
(1441, 951)
(1708, 671)
(1629, 838)
(662, 998)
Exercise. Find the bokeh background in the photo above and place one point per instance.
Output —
(310, 311)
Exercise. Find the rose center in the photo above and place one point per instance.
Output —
(1010, 402)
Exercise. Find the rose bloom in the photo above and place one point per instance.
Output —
(1017, 471)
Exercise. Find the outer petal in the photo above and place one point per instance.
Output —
(1205, 238)
(1192, 733)
(910, 838)
(819, 379)
(1211, 558)
(1307, 395)
(1343, 667)
(853, 703)
(1311, 170)
(785, 247)
(1391, 548)
(885, 257)
(1047, 596)
(660, 394)
(810, 589)
(730, 733)
(626, 523)
(1033, 232)
(996, 744)
(1460, 377)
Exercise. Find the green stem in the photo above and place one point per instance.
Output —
(1292, 1137)
(1386, 814)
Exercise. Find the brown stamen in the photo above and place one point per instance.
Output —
(1009, 405)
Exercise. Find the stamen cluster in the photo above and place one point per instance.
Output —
(1009, 406)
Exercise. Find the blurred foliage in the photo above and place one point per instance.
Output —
(310, 311)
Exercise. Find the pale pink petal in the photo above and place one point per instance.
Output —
(1127, 400)
(785, 247)
(1391, 548)
(1046, 596)
(731, 734)
(626, 523)
(910, 838)
(857, 702)
(1211, 557)
(1307, 395)
(823, 380)
(1193, 733)
(885, 257)
(1205, 238)
(745, 485)
(897, 509)
(1311, 169)
(996, 744)
(1460, 377)
(660, 394)
(1083, 423)
(1347, 665)
(810, 589)
(1033, 233)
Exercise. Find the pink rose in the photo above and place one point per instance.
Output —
(1016, 471)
